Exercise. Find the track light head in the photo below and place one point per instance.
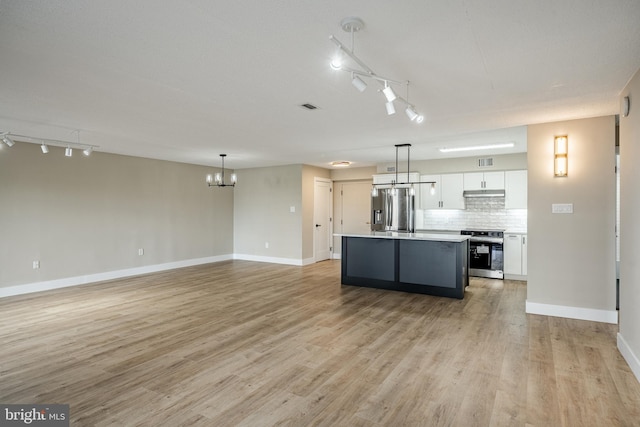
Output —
(420, 118)
(44, 148)
(68, 152)
(336, 63)
(389, 93)
(411, 113)
(391, 109)
(358, 83)
(87, 151)
(7, 140)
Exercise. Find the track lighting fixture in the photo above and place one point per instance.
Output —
(352, 25)
(218, 179)
(10, 138)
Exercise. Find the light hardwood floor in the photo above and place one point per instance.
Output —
(241, 343)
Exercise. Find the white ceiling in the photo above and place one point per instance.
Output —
(187, 80)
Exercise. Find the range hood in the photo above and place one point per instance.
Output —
(483, 193)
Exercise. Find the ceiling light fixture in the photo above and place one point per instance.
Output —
(218, 179)
(341, 164)
(476, 147)
(87, 151)
(352, 25)
(68, 152)
(44, 148)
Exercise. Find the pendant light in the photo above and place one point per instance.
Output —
(218, 179)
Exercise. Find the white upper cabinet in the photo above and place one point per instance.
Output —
(447, 194)
(484, 180)
(427, 199)
(515, 189)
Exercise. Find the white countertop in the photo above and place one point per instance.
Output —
(408, 236)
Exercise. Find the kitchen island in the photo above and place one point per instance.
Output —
(434, 264)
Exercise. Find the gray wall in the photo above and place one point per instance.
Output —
(629, 222)
(571, 257)
(86, 215)
(262, 203)
(263, 214)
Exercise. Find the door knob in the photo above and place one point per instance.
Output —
(318, 225)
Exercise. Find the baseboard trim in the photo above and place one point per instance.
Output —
(272, 260)
(108, 275)
(337, 256)
(592, 314)
(629, 356)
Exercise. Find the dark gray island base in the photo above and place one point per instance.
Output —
(426, 264)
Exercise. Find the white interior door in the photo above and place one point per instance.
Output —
(322, 208)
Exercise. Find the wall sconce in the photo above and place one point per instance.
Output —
(560, 155)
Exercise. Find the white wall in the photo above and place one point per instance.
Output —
(571, 257)
(82, 215)
(629, 336)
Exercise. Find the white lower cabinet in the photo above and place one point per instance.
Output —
(515, 255)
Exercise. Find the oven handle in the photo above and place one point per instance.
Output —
(486, 240)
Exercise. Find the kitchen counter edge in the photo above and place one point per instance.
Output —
(407, 236)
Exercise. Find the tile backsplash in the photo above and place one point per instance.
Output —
(480, 213)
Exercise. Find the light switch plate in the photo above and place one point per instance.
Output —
(292, 209)
(562, 208)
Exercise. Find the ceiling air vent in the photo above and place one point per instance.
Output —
(485, 162)
(309, 106)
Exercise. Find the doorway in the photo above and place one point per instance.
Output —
(322, 221)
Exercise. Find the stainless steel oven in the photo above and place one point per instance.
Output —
(486, 258)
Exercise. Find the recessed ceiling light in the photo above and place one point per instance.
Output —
(341, 164)
(476, 147)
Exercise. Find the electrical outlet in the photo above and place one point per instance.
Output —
(140, 251)
(36, 265)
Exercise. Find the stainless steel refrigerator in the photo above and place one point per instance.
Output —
(393, 210)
